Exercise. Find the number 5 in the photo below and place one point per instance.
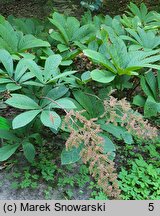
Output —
(151, 206)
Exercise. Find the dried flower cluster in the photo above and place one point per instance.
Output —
(86, 132)
(120, 111)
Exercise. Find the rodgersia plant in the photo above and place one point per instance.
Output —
(38, 82)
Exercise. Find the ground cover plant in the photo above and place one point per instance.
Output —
(92, 84)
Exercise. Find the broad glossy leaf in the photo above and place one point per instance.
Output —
(118, 132)
(64, 74)
(4, 124)
(139, 100)
(20, 69)
(12, 87)
(63, 103)
(101, 59)
(8, 135)
(54, 94)
(71, 156)
(102, 76)
(151, 80)
(145, 87)
(29, 41)
(127, 137)
(151, 107)
(26, 76)
(84, 100)
(29, 151)
(34, 68)
(108, 146)
(22, 102)
(50, 119)
(59, 21)
(24, 118)
(7, 61)
(7, 151)
(51, 65)
(33, 83)
(5, 80)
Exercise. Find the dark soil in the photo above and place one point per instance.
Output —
(42, 8)
(37, 8)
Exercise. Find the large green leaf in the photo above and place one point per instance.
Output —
(139, 100)
(151, 80)
(64, 74)
(118, 132)
(58, 37)
(5, 80)
(4, 124)
(71, 156)
(12, 87)
(84, 33)
(108, 146)
(20, 69)
(29, 41)
(84, 101)
(54, 94)
(8, 135)
(59, 21)
(14, 41)
(63, 103)
(33, 83)
(57, 92)
(101, 59)
(51, 65)
(24, 118)
(73, 25)
(50, 119)
(9, 37)
(151, 107)
(127, 137)
(22, 102)
(102, 76)
(7, 151)
(7, 61)
(29, 151)
(26, 76)
(146, 88)
(34, 68)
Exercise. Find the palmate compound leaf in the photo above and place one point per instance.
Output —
(22, 102)
(7, 150)
(24, 118)
(50, 119)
